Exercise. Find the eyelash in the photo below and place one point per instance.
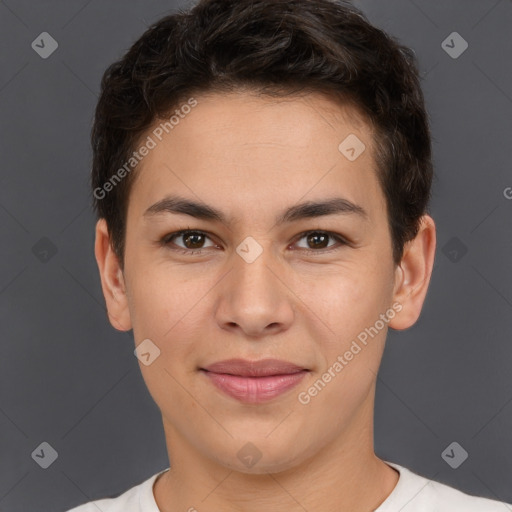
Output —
(166, 241)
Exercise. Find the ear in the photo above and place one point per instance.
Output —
(412, 276)
(112, 279)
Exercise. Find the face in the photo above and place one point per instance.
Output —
(264, 278)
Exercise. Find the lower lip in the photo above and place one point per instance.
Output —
(254, 390)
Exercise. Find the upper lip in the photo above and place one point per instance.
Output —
(246, 368)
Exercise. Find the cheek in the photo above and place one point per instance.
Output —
(346, 301)
(165, 309)
(351, 347)
(172, 310)
(164, 301)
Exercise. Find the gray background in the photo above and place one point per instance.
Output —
(69, 379)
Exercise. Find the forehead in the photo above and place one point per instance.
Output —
(243, 151)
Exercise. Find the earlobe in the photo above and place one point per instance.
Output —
(112, 279)
(412, 276)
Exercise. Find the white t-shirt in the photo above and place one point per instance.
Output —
(412, 493)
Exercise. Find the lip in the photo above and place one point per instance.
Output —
(246, 368)
(254, 382)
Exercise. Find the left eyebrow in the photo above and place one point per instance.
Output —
(308, 209)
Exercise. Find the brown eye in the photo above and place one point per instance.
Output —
(192, 240)
(317, 241)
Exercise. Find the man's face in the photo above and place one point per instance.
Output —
(260, 288)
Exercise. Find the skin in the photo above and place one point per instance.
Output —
(251, 158)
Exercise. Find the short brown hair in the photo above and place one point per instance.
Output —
(276, 48)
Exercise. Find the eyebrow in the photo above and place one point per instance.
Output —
(306, 210)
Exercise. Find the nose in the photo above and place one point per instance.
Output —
(254, 297)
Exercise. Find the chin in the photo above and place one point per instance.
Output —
(261, 457)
